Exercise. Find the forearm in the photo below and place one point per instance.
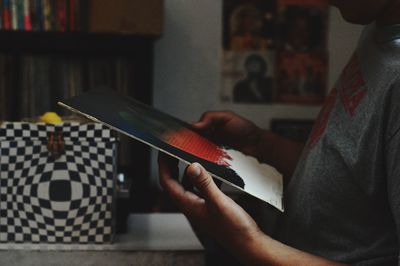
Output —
(263, 250)
(279, 152)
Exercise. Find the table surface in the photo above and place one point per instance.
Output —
(152, 239)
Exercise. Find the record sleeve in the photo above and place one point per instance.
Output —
(180, 140)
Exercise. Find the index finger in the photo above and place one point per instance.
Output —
(208, 119)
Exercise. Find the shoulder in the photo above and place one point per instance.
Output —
(388, 40)
(391, 51)
(386, 49)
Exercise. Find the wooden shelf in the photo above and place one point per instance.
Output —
(75, 43)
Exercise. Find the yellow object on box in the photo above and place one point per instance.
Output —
(50, 118)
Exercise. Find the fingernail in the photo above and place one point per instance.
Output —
(195, 170)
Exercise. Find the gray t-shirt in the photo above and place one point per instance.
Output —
(343, 202)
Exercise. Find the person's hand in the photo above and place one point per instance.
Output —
(232, 130)
(212, 212)
(220, 217)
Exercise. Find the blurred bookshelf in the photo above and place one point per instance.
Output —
(55, 49)
(79, 43)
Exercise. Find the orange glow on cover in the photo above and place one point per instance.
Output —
(197, 145)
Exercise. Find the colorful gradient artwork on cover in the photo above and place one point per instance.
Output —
(180, 137)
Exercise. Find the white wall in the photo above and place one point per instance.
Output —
(187, 63)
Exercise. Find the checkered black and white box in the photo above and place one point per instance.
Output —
(64, 200)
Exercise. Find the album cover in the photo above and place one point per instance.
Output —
(180, 140)
(301, 78)
(247, 77)
(302, 25)
(249, 24)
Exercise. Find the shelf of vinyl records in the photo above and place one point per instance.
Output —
(44, 15)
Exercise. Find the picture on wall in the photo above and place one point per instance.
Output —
(274, 51)
(249, 24)
(302, 26)
(301, 77)
(247, 77)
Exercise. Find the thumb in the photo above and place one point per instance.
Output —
(203, 182)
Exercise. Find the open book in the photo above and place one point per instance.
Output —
(180, 140)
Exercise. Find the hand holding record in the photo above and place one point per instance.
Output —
(232, 130)
(187, 143)
(211, 212)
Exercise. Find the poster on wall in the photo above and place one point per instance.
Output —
(247, 77)
(249, 24)
(302, 26)
(301, 77)
(274, 51)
